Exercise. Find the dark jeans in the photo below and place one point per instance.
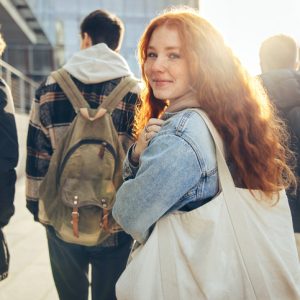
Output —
(70, 264)
(7, 193)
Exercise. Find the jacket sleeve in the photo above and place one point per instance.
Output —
(9, 148)
(39, 151)
(129, 169)
(8, 154)
(158, 185)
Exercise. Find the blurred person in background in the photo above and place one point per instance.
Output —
(8, 161)
(96, 69)
(279, 63)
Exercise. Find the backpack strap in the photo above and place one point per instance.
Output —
(118, 93)
(68, 86)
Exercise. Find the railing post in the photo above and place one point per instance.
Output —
(32, 95)
(17, 80)
(8, 77)
(22, 95)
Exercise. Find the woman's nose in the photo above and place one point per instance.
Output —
(159, 64)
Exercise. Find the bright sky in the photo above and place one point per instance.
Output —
(244, 24)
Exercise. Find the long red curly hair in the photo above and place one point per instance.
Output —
(234, 101)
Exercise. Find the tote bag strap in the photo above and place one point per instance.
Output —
(245, 241)
(243, 234)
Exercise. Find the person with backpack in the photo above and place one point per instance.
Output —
(279, 62)
(9, 154)
(80, 128)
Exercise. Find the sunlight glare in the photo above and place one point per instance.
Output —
(245, 24)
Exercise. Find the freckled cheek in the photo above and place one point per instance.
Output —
(147, 71)
(147, 68)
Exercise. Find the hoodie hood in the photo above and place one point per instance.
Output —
(97, 64)
(283, 86)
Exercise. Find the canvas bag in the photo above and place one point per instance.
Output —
(232, 248)
(85, 171)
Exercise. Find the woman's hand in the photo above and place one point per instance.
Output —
(146, 135)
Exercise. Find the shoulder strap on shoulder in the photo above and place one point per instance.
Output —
(118, 93)
(68, 86)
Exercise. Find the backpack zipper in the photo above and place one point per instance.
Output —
(84, 142)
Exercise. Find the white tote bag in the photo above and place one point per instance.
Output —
(235, 247)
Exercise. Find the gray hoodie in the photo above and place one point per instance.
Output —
(97, 64)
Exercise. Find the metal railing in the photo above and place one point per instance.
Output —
(22, 87)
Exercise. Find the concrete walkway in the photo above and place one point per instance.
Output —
(30, 274)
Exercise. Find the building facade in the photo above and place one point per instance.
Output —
(61, 21)
(28, 47)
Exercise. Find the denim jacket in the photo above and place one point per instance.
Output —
(176, 169)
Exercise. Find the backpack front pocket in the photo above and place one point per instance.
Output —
(86, 174)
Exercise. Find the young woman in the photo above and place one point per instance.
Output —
(172, 166)
(185, 64)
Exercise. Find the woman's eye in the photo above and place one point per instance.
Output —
(151, 54)
(174, 55)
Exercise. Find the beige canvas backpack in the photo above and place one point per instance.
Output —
(85, 171)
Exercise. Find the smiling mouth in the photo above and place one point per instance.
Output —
(161, 83)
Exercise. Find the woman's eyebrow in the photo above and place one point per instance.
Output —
(167, 48)
(150, 48)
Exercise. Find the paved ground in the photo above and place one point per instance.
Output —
(30, 275)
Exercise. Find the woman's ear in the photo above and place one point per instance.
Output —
(86, 41)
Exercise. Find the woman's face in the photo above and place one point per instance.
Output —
(166, 66)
